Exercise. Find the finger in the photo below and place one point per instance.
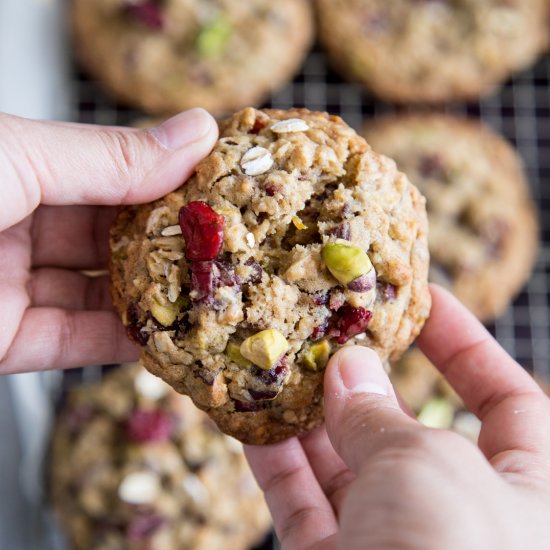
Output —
(62, 164)
(330, 470)
(76, 237)
(492, 385)
(362, 413)
(302, 515)
(61, 288)
(51, 338)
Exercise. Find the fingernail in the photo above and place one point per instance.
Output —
(362, 372)
(183, 129)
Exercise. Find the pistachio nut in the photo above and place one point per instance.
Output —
(213, 37)
(166, 313)
(345, 261)
(233, 351)
(265, 348)
(316, 356)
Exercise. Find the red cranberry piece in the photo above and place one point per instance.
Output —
(147, 12)
(263, 395)
(202, 281)
(259, 125)
(342, 231)
(202, 230)
(143, 526)
(134, 327)
(243, 406)
(256, 272)
(350, 321)
(145, 426)
(271, 376)
(385, 291)
(320, 298)
(319, 331)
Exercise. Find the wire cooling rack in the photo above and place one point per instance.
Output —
(520, 111)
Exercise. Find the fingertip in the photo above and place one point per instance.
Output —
(185, 128)
(356, 369)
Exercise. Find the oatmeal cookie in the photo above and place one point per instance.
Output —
(432, 50)
(430, 396)
(483, 225)
(134, 465)
(165, 56)
(292, 239)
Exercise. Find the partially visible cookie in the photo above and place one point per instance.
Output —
(135, 465)
(292, 239)
(432, 50)
(430, 396)
(483, 224)
(165, 56)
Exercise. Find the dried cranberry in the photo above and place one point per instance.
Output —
(320, 298)
(319, 331)
(134, 325)
(432, 167)
(263, 395)
(342, 231)
(144, 525)
(271, 376)
(385, 291)
(243, 406)
(206, 277)
(349, 322)
(256, 272)
(147, 12)
(259, 125)
(202, 230)
(144, 426)
(271, 189)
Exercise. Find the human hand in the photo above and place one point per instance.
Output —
(376, 479)
(59, 185)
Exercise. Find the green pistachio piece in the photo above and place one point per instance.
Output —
(233, 351)
(346, 262)
(213, 37)
(265, 348)
(316, 357)
(167, 313)
(437, 413)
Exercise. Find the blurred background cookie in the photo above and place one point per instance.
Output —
(482, 221)
(135, 465)
(168, 55)
(432, 50)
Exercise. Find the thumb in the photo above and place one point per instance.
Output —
(362, 413)
(61, 163)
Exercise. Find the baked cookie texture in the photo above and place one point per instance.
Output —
(430, 396)
(165, 56)
(292, 239)
(483, 223)
(432, 51)
(136, 466)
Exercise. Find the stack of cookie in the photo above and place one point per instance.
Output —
(135, 465)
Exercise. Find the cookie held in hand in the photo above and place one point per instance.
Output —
(292, 239)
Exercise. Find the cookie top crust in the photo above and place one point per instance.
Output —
(432, 50)
(135, 465)
(292, 239)
(165, 56)
(483, 223)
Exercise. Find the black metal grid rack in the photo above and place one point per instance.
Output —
(520, 111)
